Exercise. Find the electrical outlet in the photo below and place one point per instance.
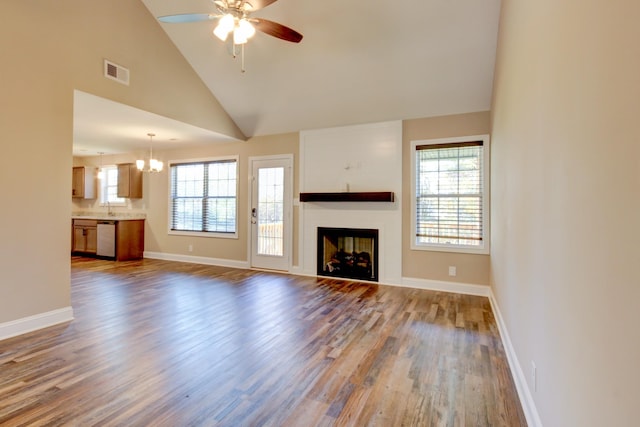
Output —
(452, 270)
(190, 248)
(534, 376)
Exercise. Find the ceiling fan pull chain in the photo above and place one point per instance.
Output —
(242, 54)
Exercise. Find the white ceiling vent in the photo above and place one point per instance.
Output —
(116, 72)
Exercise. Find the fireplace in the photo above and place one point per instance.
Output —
(351, 253)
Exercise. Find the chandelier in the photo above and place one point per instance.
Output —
(154, 165)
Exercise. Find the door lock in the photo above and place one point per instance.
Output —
(254, 215)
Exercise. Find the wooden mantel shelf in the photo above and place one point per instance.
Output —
(368, 196)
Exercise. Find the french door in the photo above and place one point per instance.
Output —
(270, 215)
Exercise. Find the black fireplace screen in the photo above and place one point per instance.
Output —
(348, 252)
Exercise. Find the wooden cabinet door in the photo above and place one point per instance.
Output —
(130, 240)
(129, 181)
(79, 239)
(85, 236)
(135, 183)
(123, 180)
(91, 234)
(77, 184)
(83, 184)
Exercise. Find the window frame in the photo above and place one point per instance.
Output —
(211, 234)
(484, 248)
(103, 185)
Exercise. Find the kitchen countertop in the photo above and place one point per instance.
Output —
(104, 216)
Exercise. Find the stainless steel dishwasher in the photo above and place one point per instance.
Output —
(106, 239)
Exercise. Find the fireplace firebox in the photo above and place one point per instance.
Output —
(351, 253)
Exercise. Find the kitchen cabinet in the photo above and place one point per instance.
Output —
(85, 236)
(83, 185)
(129, 239)
(128, 234)
(129, 181)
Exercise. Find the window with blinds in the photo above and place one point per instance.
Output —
(203, 196)
(450, 203)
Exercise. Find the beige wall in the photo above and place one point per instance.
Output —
(565, 177)
(154, 202)
(157, 187)
(471, 268)
(566, 197)
(49, 49)
(430, 265)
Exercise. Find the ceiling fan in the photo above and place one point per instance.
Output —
(233, 19)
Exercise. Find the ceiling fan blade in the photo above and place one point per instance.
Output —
(186, 17)
(276, 30)
(251, 5)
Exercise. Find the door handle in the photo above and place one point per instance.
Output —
(254, 215)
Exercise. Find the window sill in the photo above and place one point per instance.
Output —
(451, 249)
(203, 234)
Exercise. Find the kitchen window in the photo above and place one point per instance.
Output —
(203, 197)
(109, 187)
(450, 184)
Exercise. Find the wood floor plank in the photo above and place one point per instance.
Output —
(173, 344)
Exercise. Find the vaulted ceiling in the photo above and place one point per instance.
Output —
(360, 61)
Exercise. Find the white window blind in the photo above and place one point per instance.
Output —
(450, 194)
(203, 196)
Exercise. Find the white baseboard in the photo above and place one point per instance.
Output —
(439, 285)
(528, 405)
(197, 259)
(297, 270)
(35, 322)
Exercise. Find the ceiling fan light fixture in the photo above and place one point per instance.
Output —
(219, 33)
(239, 37)
(233, 17)
(245, 27)
(224, 27)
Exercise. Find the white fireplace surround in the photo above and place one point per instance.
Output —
(353, 158)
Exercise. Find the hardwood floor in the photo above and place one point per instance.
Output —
(159, 343)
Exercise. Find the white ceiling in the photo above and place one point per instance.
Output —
(359, 61)
(104, 126)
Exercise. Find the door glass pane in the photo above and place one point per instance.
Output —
(271, 211)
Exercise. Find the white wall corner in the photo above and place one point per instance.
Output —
(442, 286)
(221, 262)
(526, 399)
(35, 322)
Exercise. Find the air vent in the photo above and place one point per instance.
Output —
(116, 72)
